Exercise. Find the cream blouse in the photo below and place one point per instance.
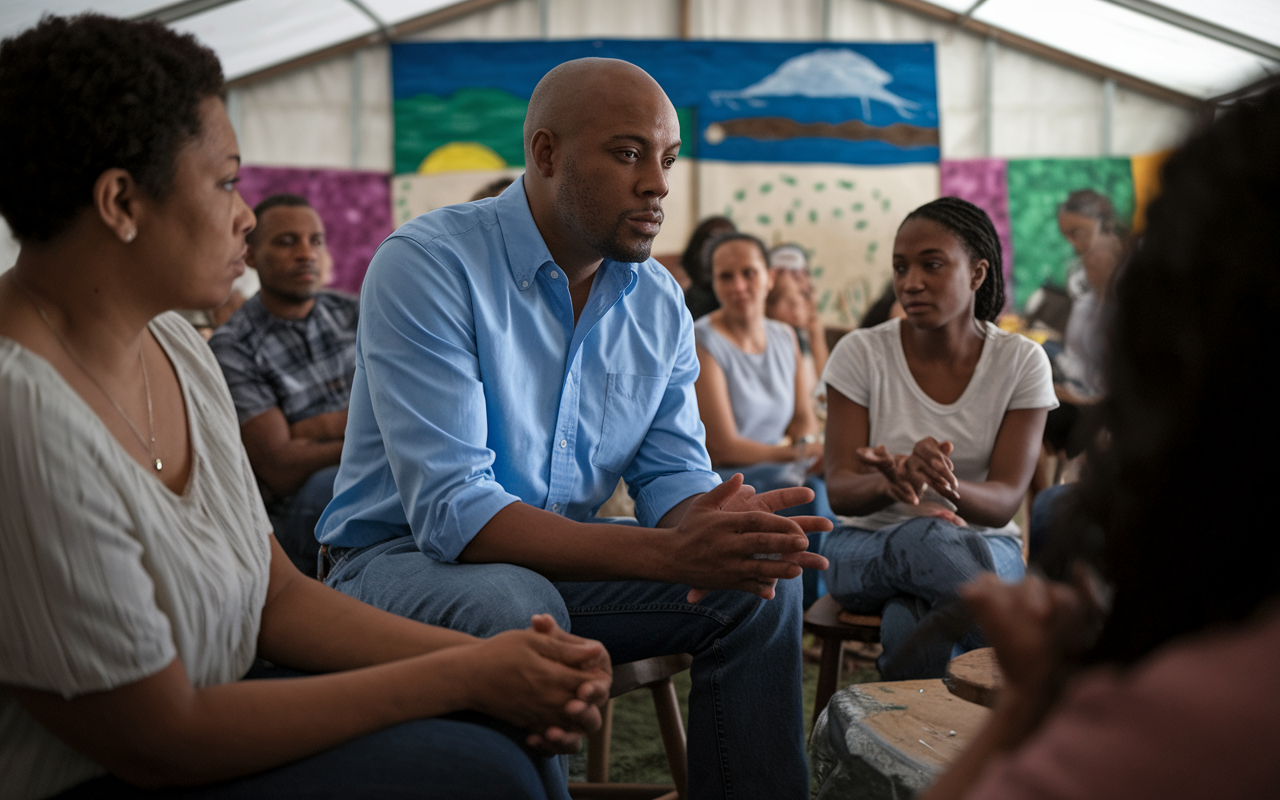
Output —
(105, 575)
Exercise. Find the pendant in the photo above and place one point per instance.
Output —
(159, 466)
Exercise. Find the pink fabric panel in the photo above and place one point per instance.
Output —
(984, 182)
(355, 207)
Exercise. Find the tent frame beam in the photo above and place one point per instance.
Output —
(1052, 54)
(437, 17)
(1203, 27)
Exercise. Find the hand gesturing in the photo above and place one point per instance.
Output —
(733, 539)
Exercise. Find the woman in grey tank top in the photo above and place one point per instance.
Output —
(754, 400)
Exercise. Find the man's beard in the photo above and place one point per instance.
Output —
(573, 197)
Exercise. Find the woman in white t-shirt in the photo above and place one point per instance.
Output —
(139, 577)
(933, 428)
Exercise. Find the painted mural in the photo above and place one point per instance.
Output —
(824, 144)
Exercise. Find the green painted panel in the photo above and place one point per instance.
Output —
(1036, 188)
(492, 117)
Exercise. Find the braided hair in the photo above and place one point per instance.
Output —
(974, 229)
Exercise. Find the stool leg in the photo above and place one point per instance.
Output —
(598, 747)
(828, 675)
(667, 708)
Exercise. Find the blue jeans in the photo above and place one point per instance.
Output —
(295, 520)
(767, 476)
(1047, 506)
(746, 728)
(901, 572)
(459, 756)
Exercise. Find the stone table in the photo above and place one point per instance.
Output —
(889, 740)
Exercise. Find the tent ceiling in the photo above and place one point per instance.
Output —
(1199, 48)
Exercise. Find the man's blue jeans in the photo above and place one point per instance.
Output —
(902, 571)
(746, 724)
(295, 521)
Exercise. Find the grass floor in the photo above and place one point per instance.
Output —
(636, 754)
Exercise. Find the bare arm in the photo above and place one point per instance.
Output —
(818, 343)
(724, 445)
(804, 422)
(163, 731)
(321, 428)
(710, 546)
(854, 487)
(1013, 460)
(285, 463)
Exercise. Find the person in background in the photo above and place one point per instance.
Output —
(492, 189)
(755, 400)
(288, 355)
(1176, 695)
(792, 301)
(700, 297)
(933, 427)
(1082, 217)
(140, 578)
(883, 309)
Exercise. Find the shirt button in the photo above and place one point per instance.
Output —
(564, 442)
(555, 506)
(524, 284)
(555, 275)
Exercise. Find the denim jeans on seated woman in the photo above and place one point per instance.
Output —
(902, 572)
(464, 755)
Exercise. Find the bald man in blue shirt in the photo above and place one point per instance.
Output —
(515, 357)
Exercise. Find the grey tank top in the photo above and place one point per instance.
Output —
(762, 386)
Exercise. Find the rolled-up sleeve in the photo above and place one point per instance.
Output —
(418, 345)
(672, 463)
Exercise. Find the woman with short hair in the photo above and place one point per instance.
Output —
(140, 575)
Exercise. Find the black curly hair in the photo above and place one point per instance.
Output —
(1181, 487)
(978, 235)
(85, 94)
(699, 271)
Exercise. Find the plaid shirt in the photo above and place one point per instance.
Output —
(303, 367)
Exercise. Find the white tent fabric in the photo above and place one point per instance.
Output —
(337, 113)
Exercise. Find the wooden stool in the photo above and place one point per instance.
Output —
(655, 674)
(882, 740)
(975, 676)
(834, 626)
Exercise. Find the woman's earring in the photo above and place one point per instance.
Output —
(129, 237)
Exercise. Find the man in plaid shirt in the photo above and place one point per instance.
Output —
(288, 355)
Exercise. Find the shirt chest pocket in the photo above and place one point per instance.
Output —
(630, 404)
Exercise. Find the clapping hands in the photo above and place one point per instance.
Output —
(927, 466)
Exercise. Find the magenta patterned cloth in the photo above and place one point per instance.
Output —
(984, 182)
(355, 207)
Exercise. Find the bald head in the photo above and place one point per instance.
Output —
(582, 90)
(600, 138)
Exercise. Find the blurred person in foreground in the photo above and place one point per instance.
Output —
(140, 575)
(1176, 695)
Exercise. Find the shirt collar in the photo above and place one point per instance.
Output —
(526, 251)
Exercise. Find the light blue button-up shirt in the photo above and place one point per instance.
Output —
(474, 388)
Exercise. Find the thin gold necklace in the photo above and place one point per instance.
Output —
(146, 384)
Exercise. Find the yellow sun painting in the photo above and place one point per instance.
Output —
(461, 157)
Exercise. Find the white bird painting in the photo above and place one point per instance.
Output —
(827, 73)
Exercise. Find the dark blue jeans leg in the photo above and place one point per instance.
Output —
(295, 523)
(902, 571)
(746, 724)
(430, 758)
(479, 599)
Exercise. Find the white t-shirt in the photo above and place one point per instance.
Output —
(870, 368)
(105, 575)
